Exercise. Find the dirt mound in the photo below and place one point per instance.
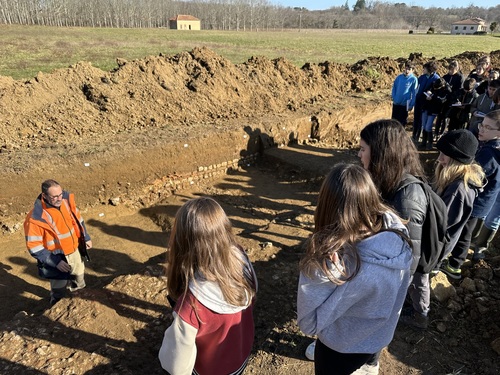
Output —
(130, 137)
(54, 122)
(86, 104)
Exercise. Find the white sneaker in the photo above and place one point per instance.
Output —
(367, 370)
(310, 351)
(74, 287)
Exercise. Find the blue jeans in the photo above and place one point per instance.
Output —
(492, 220)
(427, 121)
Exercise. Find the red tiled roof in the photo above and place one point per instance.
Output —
(470, 21)
(184, 17)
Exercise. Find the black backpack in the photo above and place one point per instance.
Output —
(435, 237)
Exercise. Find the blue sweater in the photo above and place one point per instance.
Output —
(488, 156)
(404, 90)
(359, 316)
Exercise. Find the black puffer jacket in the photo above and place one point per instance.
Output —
(410, 203)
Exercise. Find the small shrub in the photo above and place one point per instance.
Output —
(372, 73)
(480, 33)
(410, 32)
(431, 30)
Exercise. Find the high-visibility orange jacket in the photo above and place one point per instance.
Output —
(52, 232)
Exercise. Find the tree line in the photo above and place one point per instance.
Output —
(244, 15)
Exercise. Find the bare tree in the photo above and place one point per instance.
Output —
(253, 15)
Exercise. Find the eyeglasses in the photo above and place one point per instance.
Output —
(486, 127)
(54, 197)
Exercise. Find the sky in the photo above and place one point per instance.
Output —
(325, 4)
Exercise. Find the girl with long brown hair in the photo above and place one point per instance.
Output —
(389, 154)
(354, 275)
(213, 285)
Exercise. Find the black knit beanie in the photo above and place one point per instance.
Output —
(460, 145)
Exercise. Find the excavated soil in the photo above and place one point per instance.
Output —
(134, 143)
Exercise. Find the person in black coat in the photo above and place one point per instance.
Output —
(454, 79)
(434, 104)
(391, 157)
(461, 102)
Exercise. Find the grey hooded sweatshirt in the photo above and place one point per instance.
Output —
(359, 316)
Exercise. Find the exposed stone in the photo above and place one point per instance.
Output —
(115, 201)
(495, 345)
(441, 327)
(484, 273)
(441, 288)
(481, 285)
(468, 284)
(454, 306)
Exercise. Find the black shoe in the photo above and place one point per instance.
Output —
(412, 318)
(454, 273)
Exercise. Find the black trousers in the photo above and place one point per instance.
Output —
(330, 362)
(459, 252)
(400, 113)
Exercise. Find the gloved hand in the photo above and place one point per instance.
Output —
(63, 266)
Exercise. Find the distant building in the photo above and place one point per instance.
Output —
(468, 26)
(184, 22)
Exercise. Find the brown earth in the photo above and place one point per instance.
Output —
(136, 142)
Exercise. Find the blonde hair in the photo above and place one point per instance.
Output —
(470, 174)
(202, 245)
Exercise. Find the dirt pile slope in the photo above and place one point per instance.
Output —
(83, 103)
(103, 134)
(54, 122)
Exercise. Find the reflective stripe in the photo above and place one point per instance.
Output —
(66, 235)
(44, 225)
(34, 238)
(36, 249)
(51, 222)
(53, 225)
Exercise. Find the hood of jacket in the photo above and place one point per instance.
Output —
(370, 250)
(209, 293)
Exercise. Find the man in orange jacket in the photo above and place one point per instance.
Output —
(52, 229)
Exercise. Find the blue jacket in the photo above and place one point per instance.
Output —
(488, 156)
(404, 90)
(425, 84)
(359, 316)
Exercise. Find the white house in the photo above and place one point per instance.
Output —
(468, 26)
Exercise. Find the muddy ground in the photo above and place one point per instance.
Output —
(134, 143)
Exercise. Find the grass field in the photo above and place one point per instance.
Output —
(26, 50)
